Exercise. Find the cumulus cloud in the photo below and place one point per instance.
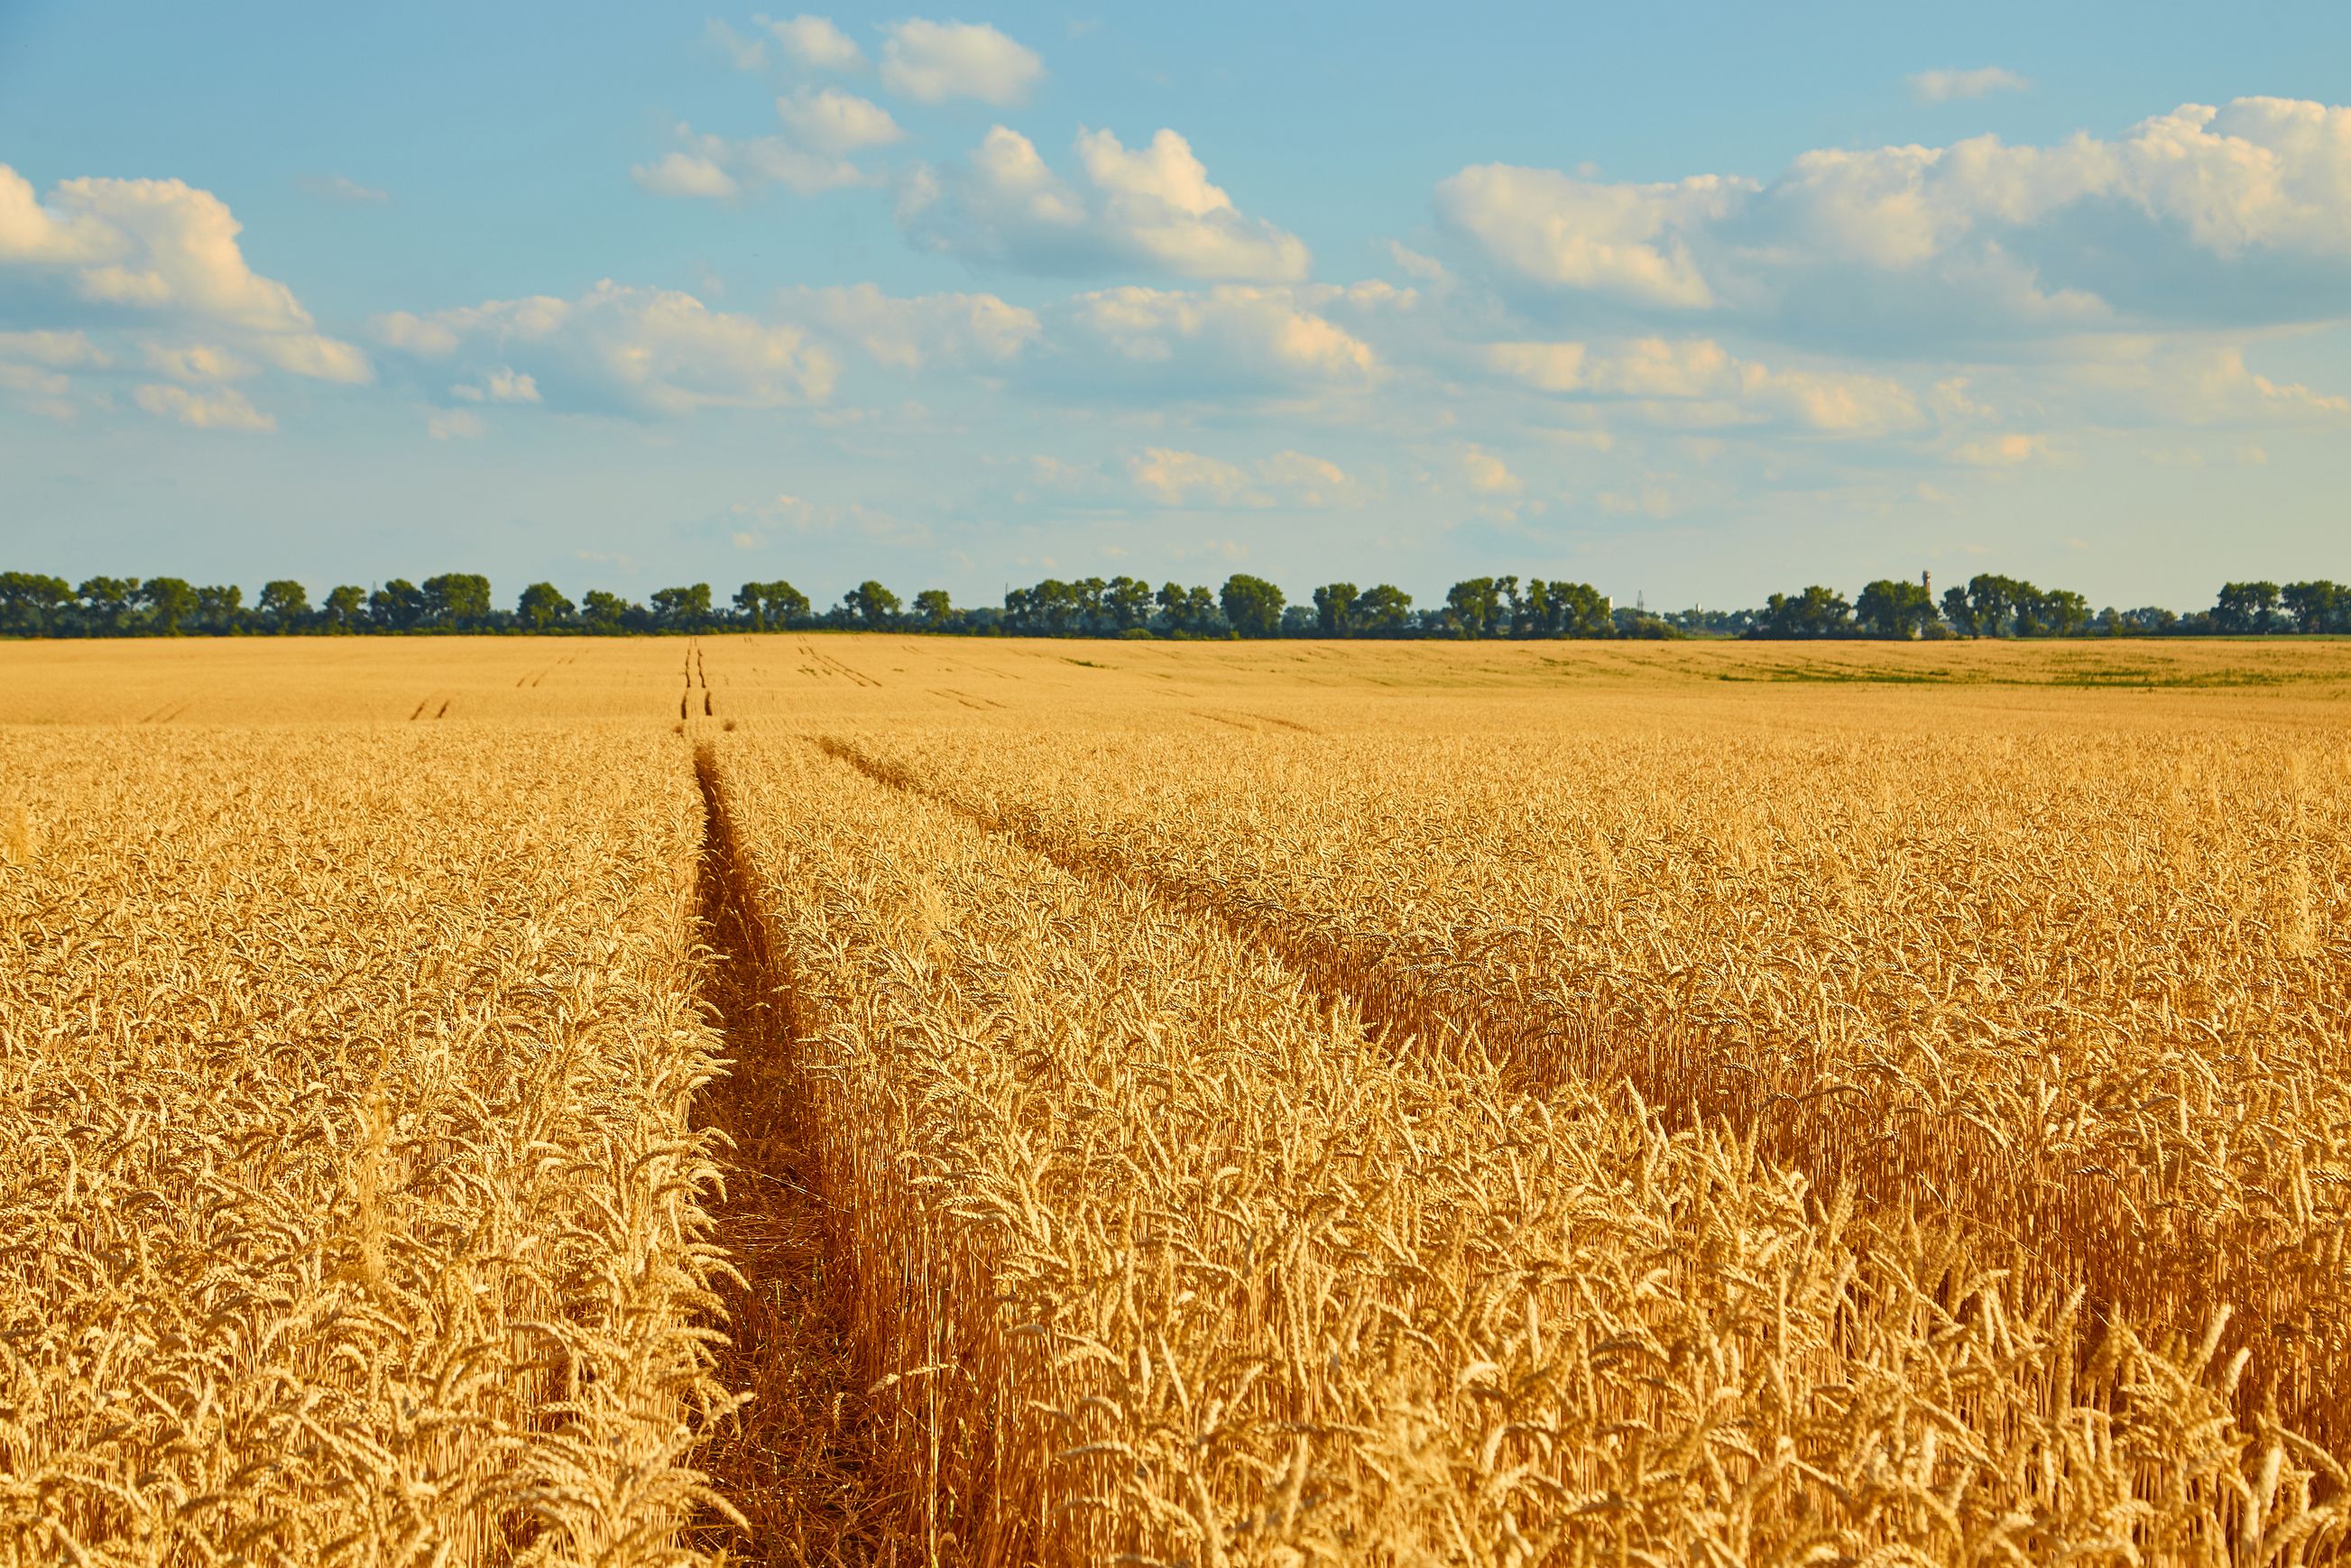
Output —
(905, 333)
(2193, 382)
(1151, 207)
(1718, 386)
(500, 383)
(455, 425)
(1225, 341)
(836, 122)
(931, 62)
(223, 408)
(1306, 480)
(1632, 242)
(1943, 86)
(715, 168)
(161, 250)
(1487, 473)
(2234, 214)
(1177, 478)
(2006, 451)
(685, 174)
(196, 362)
(1287, 479)
(59, 350)
(815, 41)
(644, 351)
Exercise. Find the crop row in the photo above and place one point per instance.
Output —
(349, 1211)
(1161, 1255)
(2091, 994)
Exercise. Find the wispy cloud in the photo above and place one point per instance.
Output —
(1942, 87)
(343, 188)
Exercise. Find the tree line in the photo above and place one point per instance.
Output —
(35, 604)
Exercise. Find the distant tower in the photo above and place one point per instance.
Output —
(1927, 581)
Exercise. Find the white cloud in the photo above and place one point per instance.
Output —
(343, 189)
(907, 333)
(1421, 268)
(1305, 480)
(770, 160)
(685, 174)
(931, 62)
(646, 351)
(2008, 451)
(1152, 206)
(1286, 479)
(714, 167)
(1488, 474)
(1628, 241)
(836, 122)
(500, 383)
(60, 350)
(223, 408)
(162, 249)
(196, 362)
(2195, 383)
(1224, 341)
(815, 41)
(455, 425)
(1177, 478)
(321, 359)
(748, 53)
(1942, 87)
(2239, 215)
(32, 379)
(1651, 370)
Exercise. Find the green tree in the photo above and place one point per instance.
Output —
(2062, 612)
(771, 606)
(681, 608)
(1961, 612)
(1252, 605)
(1473, 608)
(346, 608)
(1127, 603)
(543, 607)
(283, 605)
(1817, 612)
(397, 606)
(1334, 609)
(458, 601)
(2319, 606)
(2247, 607)
(1895, 607)
(1385, 611)
(220, 609)
(605, 612)
(107, 603)
(1189, 611)
(934, 610)
(1995, 606)
(1569, 609)
(870, 605)
(167, 603)
(32, 603)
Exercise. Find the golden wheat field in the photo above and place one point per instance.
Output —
(868, 1099)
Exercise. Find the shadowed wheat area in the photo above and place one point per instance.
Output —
(796, 1460)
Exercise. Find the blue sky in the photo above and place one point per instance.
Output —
(1691, 302)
